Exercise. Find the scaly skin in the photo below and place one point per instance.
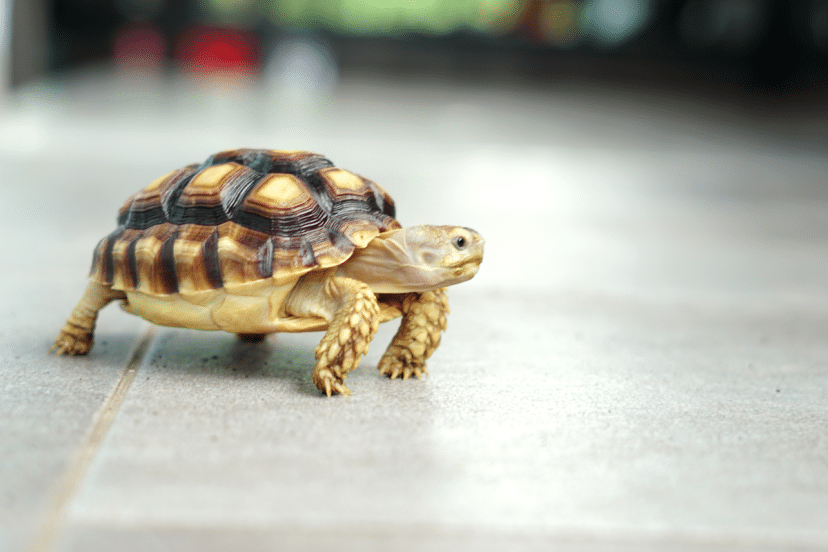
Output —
(424, 319)
(349, 334)
(75, 337)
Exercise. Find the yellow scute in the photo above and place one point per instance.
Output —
(280, 189)
(157, 182)
(343, 179)
(212, 177)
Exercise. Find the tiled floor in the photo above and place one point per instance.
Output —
(640, 364)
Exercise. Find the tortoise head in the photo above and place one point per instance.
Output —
(417, 259)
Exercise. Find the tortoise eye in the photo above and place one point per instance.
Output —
(459, 242)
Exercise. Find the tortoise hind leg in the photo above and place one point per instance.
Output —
(424, 319)
(76, 335)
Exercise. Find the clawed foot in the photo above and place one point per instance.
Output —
(336, 356)
(333, 364)
(399, 361)
(348, 336)
(67, 343)
(330, 383)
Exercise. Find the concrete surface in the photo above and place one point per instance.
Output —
(639, 365)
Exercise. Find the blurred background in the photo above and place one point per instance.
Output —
(600, 110)
(762, 46)
(597, 109)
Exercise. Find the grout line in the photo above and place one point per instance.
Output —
(73, 476)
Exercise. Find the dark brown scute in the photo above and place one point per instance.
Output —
(306, 255)
(147, 208)
(266, 259)
(106, 256)
(168, 279)
(209, 254)
(383, 201)
(132, 263)
(96, 258)
(339, 241)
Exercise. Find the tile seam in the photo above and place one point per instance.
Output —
(71, 479)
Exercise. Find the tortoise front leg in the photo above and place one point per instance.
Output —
(76, 336)
(353, 315)
(424, 319)
(350, 331)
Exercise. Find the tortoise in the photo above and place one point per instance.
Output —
(256, 241)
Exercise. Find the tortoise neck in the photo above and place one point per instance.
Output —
(384, 264)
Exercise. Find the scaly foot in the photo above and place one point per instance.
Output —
(424, 319)
(72, 340)
(401, 361)
(75, 337)
(349, 334)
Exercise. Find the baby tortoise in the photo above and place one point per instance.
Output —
(258, 241)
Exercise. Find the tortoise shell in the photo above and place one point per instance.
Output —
(241, 216)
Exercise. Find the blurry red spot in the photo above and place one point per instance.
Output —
(138, 46)
(206, 50)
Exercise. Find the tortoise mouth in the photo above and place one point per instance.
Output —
(476, 260)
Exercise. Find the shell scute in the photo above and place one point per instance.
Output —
(196, 258)
(147, 208)
(241, 216)
(280, 206)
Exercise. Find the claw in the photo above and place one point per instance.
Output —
(68, 344)
(327, 387)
